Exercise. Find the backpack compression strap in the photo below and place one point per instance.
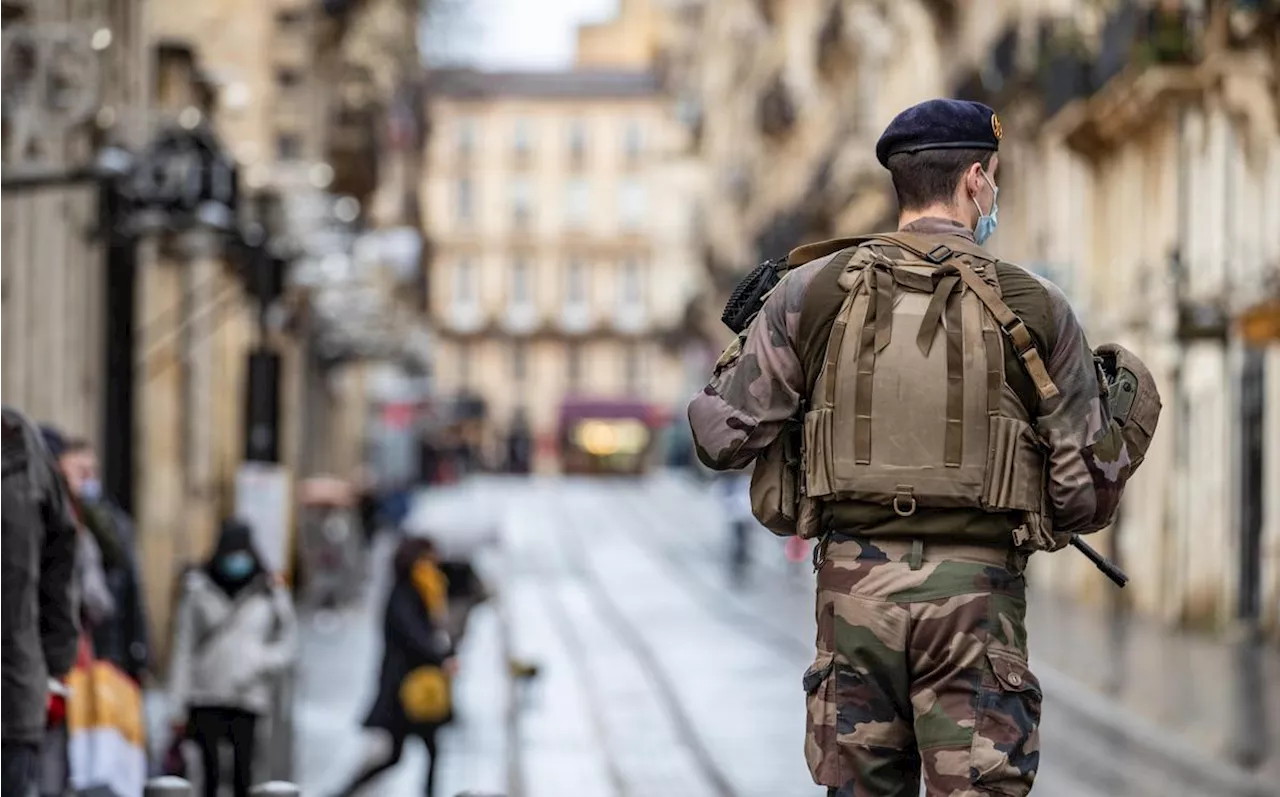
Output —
(1009, 322)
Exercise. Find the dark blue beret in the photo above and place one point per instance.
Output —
(940, 124)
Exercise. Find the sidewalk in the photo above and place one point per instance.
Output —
(1177, 699)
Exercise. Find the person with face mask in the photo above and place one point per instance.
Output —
(123, 638)
(951, 423)
(235, 630)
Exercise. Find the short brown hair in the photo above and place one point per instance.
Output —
(929, 177)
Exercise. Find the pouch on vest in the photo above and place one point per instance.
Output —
(778, 497)
(1133, 398)
(911, 409)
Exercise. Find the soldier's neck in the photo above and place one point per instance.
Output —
(932, 212)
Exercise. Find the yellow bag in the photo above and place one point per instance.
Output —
(424, 695)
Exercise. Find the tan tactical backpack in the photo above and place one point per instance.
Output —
(911, 408)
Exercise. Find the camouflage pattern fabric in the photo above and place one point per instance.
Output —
(921, 667)
(757, 388)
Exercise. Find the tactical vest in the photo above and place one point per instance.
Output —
(911, 408)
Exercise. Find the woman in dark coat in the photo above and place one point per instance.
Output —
(414, 639)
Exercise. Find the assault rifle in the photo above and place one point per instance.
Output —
(749, 295)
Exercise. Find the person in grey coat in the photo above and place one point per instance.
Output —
(234, 633)
(39, 608)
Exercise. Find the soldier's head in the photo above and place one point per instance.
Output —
(943, 157)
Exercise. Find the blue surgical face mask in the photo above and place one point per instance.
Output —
(91, 489)
(236, 565)
(987, 221)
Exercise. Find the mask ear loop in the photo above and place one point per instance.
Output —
(995, 196)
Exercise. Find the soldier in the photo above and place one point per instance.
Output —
(929, 478)
(39, 622)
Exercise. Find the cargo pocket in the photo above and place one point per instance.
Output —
(817, 452)
(1015, 466)
(1006, 731)
(820, 748)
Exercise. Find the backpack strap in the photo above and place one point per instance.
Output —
(1012, 326)
(927, 248)
(835, 340)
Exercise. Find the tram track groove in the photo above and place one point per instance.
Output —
(641, 651)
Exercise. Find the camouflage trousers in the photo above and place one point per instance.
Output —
(921, 668)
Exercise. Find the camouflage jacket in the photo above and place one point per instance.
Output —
(753, 393)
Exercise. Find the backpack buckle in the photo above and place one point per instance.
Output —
(909, 508)
(939, 254)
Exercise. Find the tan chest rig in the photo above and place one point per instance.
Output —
(911, 408)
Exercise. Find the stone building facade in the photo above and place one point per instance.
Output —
(559, 236)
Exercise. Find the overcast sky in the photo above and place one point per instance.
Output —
(510, 34)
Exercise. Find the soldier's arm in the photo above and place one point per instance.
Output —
(1088, 461)
(757, 388)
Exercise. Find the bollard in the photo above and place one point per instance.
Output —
(168, 786)
(276, 788)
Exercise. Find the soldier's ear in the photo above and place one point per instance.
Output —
(974, 180)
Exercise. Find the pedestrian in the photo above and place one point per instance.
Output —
(121, 636)
(734, 490)
(519, 444)
(367, 504)
(413, 697)
(235, 633)
(39, 618)
(954, 422)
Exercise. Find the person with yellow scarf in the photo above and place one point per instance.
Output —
(414, 690)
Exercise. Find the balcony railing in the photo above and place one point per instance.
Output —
(1145, 37)
(465, 317)
(1065, 66)
(520, 318)
(575, 318)
(631, 318)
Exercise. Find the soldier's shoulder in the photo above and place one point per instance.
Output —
(1014, 275)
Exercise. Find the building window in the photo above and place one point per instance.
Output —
(577, 203)
(466, 138)
(288, 147)
(576, 283)
(633, 369)
(573, 364)
(522, 138)
(577, 142)
(519, 361)
(632, 142)
(631, 204)
(464, 282)
(630, 284)
(288, 79)
(464, 199)
(521, 285)
(521, 202)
